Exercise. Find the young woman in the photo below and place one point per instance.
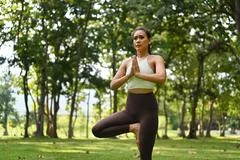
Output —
(140, 72)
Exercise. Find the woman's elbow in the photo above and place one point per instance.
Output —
(113, 86)
(162, 80)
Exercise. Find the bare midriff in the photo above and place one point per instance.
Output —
(140, 90)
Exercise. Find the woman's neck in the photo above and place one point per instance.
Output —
(142, 54)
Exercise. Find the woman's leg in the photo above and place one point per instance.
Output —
(147, 135)
(115, 124)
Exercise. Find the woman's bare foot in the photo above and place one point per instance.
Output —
(134, 128)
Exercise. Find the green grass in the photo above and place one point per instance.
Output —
(118, 149)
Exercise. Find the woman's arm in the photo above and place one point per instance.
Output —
(120, 78)
(159, 76)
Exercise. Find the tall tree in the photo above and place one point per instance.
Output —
(80, 53)
(117, 37)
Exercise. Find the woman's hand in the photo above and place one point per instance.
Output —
(123, 74)
(135, 67)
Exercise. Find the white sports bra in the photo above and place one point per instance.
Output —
(135, 82)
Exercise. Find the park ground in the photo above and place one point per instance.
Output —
(215, 148)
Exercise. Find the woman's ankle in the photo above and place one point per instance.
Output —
(134, 127)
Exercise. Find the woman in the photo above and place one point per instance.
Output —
(141, 72)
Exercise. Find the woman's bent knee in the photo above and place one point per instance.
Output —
(96, 132)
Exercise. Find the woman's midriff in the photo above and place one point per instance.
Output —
(140, 90)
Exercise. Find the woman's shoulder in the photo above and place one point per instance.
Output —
(126, 61)
(156, 57)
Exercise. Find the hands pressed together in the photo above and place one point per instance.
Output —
(134, 68)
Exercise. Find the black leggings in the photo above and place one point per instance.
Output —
(141, 108)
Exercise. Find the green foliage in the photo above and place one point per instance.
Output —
(234, 123)
(174, 121)
(7, 110)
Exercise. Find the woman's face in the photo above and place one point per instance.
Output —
(140, 40)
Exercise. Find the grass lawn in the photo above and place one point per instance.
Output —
(115, 149)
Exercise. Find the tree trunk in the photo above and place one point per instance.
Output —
(111, 100)
(181, 123)
(158, 101)
(70, 124)
(25, 90)
(196, 93)
(75, 120)
(193, 125)
(223, 125)
(43, 80)
(87, 125)
(115, 101)
(25, 81)
(208, 132)
(165, 109)
(100, 107)
(5, 122)
(40, 124)
(48, 116)
(201, 128)
(34, 108)
(54, 118)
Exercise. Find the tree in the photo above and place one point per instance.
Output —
(80, 71)
(6, 101)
